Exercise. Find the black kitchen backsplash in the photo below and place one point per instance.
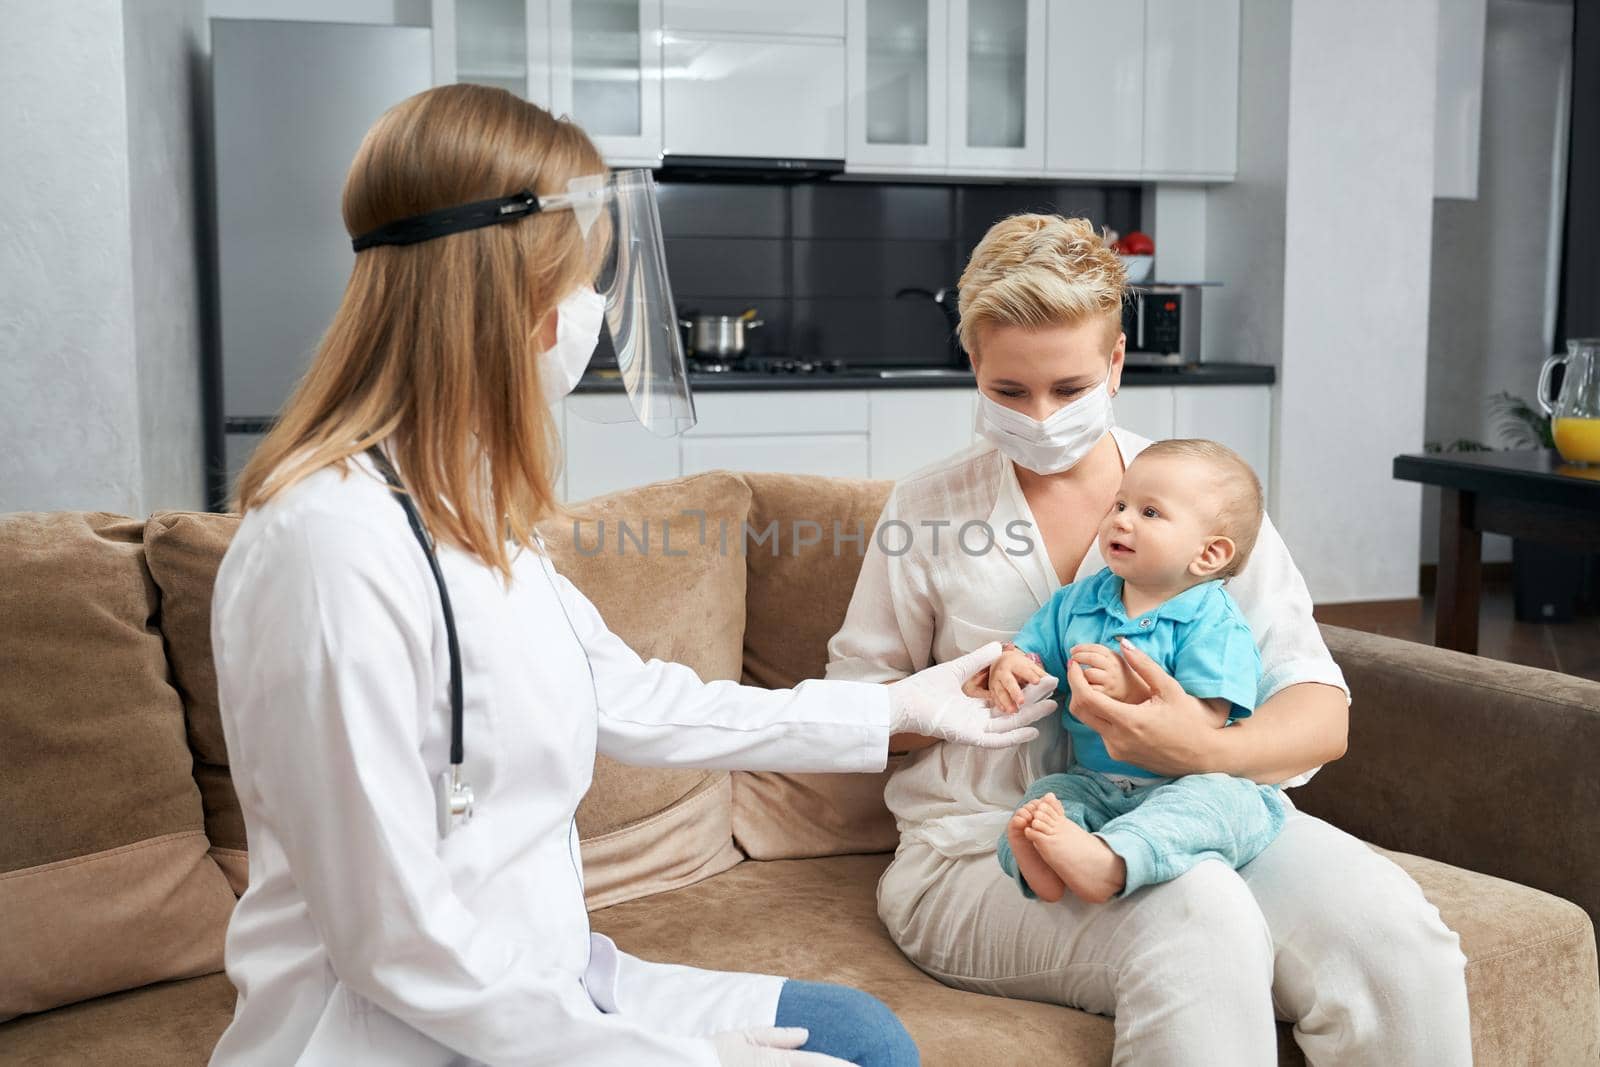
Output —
(821, 262)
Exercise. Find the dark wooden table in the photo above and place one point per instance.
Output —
(1529, 494)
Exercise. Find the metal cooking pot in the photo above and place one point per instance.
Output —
(721, 336)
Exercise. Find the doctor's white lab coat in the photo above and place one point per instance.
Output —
(366, 938)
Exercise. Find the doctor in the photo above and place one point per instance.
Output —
(413, 697)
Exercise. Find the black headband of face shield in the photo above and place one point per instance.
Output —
(459, 219)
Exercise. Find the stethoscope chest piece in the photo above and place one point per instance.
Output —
(454, 800)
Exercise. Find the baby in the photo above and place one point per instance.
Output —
(1185, 520)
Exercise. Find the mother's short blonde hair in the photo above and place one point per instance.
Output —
(1037, 271)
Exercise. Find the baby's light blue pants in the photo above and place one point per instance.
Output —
(1163, 828)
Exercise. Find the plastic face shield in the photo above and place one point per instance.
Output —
(620, 210)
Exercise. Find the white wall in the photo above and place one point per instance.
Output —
(69, 409)
(1489, 310)
(100, 403)
(1358, 219)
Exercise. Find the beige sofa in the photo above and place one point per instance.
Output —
(123, 846)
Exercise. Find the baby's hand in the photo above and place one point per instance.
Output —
(977, 685)
(1108, 672)
(1007, 676)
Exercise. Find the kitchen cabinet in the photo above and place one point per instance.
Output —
(997, 107)
(896, 59)
(912, 428)
(862, 433)
(1239, 416)
(1147, 410)
(832, 455)
(504, 43)
(598, 61)
(1191, 89)
(1133, 89)
(722, 90)
(818, 18)
(946, 86)
(1095, 116)
(755, 414)
(605, 72)
(604, 456)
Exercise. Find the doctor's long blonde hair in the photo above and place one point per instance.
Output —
(434, 345)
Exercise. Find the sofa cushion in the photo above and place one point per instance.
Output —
(174, 1024)
(1531, 973)
(104, 879)
(671, 594)
(185, 549)
(818, 920)
(1532, 976)
(796, 602)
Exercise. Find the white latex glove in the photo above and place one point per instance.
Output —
(932, 704)
(769, 1046)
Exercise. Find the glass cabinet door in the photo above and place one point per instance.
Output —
(896, 60)
(504, 43)
(997, 77)
(606, 74)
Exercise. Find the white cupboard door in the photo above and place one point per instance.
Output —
(605, 72)
(785, 413)
(897, 80)
(828, 455)
(442, 19)
(821, 18)
(1095, 88)
(912, 428)
(1239, 416)
(605, 456)
(1146, 410)
(997, 86)
(1191, 88)
(741, 95)
(505, 43)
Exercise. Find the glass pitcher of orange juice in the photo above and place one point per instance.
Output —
(1575, 415)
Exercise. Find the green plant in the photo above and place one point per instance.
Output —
(1460, 444)
(1521, 425)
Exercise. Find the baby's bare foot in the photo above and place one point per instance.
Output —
(1081, 860)
(1044, 882)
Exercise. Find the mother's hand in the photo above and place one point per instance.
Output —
(1169, 732)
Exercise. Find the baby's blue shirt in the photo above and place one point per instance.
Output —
(1200, 637)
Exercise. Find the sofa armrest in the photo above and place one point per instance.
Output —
(1481, 764)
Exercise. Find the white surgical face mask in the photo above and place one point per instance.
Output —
(1055, 444)
(578, 319)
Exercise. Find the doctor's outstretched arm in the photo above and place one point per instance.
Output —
(661, 714)
(321, 638)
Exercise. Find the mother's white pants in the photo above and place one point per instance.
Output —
(1318, 930)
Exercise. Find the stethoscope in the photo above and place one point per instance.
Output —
(453, 796)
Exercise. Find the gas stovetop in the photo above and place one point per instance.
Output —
(770, 365)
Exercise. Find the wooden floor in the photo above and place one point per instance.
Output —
(1571, 648)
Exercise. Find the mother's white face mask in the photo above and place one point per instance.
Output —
(578, 319)
(1054, 444)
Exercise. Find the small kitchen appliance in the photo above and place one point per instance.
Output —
(1162, 323)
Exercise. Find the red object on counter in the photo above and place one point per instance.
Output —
(1137, 243)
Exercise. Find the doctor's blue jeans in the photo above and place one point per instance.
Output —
(846, 1023)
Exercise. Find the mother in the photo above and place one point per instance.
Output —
(1318, 930)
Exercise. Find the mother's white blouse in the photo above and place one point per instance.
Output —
(944, 595)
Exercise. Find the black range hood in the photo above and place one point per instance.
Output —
(747, 168)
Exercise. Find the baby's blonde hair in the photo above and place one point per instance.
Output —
(1238, 501)
(1040, 270)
